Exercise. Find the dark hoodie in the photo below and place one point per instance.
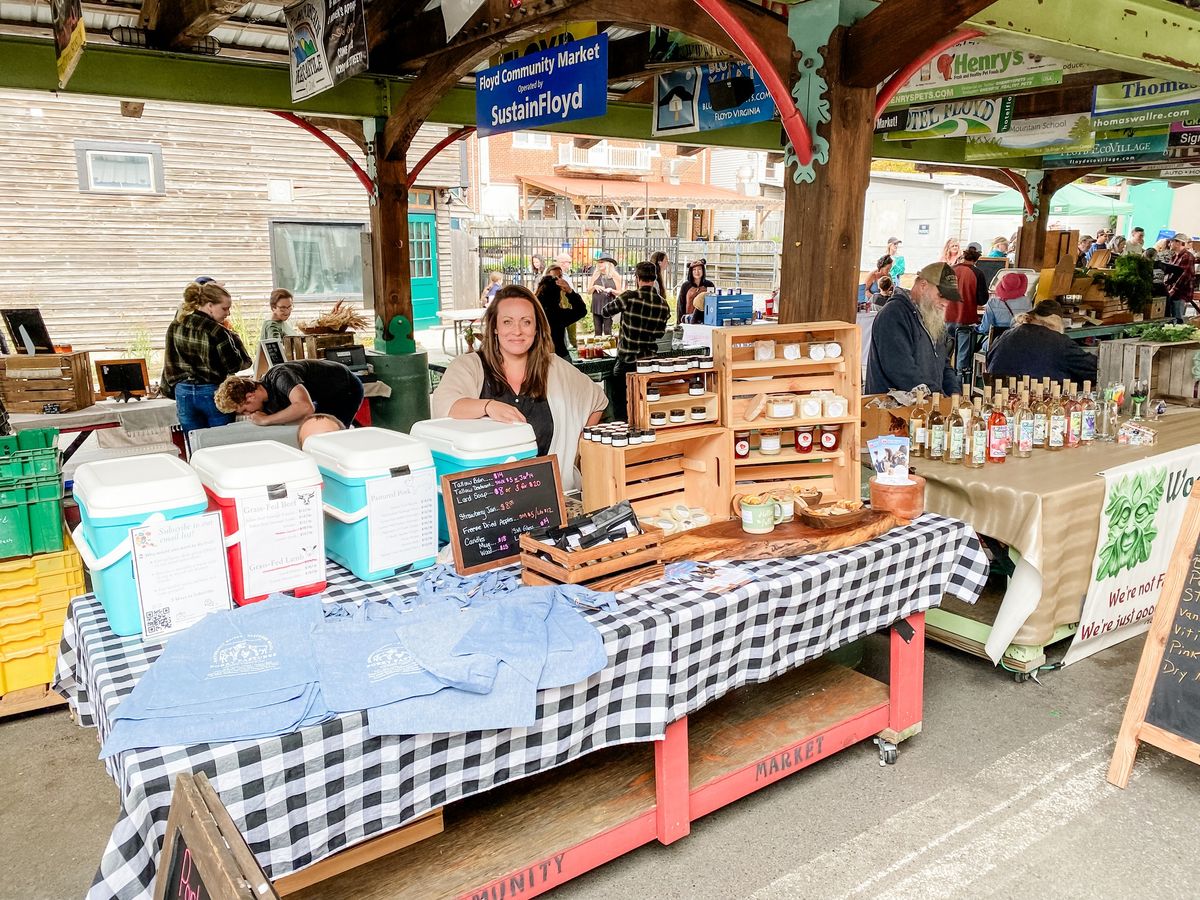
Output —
(681, 310)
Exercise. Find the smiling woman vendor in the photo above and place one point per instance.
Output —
(515, 377)
(292, 391)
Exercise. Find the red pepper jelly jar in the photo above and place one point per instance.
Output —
(831, 437)
(804, 438)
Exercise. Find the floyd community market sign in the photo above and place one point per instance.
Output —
(975, 68)
(556, 85)
(956, 118)
(1138, 104)
(1144, 503)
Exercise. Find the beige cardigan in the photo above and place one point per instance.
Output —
(572, 395)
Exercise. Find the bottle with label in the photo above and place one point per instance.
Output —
(1056, 438)
(1014, 395)
(918, 429)
(1041, 419)
(1009, 409)
(956, 432)
(997, 433)
(978, 432)
(937, 429)
(1024, 427)
(1074, 416)
(1087, 433)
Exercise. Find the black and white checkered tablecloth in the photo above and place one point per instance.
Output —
(301, 796)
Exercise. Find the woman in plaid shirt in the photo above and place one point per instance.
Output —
(201, 353)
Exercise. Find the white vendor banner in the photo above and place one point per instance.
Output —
(1144, 503)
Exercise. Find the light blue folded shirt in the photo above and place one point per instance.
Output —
(363, 664)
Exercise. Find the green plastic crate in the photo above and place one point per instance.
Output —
(30, 515)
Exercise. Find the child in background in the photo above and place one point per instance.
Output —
(494, 282)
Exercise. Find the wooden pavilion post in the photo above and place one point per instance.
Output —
(390, 255)
(1031, 244)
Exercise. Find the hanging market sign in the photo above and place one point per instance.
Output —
(328, 41)
(558, 85)
(667, 46)
(974, 68)
(706, 98)
(547, 40)
(1179, 172)
(1035, 137)
(1114, 150)
(1144, 505)
(1184, 134)
(69, 37)
(957, 118)
(1150, 101)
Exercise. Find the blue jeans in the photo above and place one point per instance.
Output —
(196, 409)
(962, 347)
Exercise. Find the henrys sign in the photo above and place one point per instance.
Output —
(1144, 503)
(327, 42)
(557, 85)
(957, 118)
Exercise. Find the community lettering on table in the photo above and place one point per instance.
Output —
(546, 873)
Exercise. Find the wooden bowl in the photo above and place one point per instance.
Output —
(811, 496)
(826, 522)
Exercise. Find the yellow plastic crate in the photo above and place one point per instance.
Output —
(20, 669)
(35, 592)
(27, 635)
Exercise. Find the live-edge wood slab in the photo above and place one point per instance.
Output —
(726, 540)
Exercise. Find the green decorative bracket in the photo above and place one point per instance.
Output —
(810, 26)
(397, 339)
(1033, 181)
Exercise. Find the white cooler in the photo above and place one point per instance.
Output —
(380, 500)
(269, 497)
(461, 444)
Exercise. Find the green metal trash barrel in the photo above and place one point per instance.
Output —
(408, 376)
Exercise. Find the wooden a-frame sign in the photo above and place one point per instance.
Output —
(204, 854)
(1164, 705)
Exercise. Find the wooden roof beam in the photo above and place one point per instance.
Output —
(179, 24)
(896, 32)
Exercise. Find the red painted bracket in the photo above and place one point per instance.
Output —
(1022, 186)
(436, 149)
(793, 121)
(363, 178)
(897, 81)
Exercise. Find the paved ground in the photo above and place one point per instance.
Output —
(1003, 795)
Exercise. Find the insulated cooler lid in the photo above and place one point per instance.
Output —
(114, 488)
(238, 469)
(467, 437)
(367, 452)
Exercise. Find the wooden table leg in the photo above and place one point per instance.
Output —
(907, 688)
(672, 783)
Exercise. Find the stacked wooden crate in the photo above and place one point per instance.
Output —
(1168, 368)
(312, 346)
(743, 378)
(673, 394)
(46, 382)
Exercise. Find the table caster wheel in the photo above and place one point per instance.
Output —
(1022, 677)
(887, 752)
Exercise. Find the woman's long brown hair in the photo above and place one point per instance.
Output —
(541, 351)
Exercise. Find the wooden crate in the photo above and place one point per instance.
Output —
(310, 346)
(1166, 367)
(29, 383)
(609, 567)
(673, 388)
(834, 473)
(1060, 244)
(692, 466)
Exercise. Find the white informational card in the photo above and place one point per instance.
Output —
(282, 540)
(181, 573)
(401, 520)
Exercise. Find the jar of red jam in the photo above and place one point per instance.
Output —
(831, 437)
(741, 444)
(804, 438)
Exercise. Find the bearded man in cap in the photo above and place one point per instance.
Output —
(908, 339)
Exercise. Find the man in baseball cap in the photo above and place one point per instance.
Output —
(908, 345)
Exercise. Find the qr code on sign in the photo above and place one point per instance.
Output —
(158, 620)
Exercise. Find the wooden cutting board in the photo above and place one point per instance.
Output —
(726, 540)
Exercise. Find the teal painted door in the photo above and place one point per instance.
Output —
(423, 268)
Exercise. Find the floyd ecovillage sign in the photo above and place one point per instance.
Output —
(557, 85)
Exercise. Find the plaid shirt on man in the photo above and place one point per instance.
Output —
(644, 317)
(202, 351)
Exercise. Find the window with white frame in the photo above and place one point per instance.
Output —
(318, 259)
(107, 167)
(531, 140)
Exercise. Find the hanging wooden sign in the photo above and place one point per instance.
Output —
(204, 854)
(1164, 705)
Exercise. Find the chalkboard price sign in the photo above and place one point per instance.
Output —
(184, 881)
(1164, 705)
(489, 509)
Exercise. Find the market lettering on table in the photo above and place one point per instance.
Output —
(539, 875)
(790, 758)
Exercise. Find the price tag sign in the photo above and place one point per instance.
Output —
(282, 540)
(401, 520)
(181, 573)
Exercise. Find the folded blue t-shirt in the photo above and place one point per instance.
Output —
(364, 664)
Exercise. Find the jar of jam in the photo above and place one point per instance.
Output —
(769, 441)
(831, 437)
(804, 438)
(741, 444)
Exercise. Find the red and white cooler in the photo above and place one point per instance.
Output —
(269, 497)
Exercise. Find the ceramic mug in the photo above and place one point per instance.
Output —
(760, 513)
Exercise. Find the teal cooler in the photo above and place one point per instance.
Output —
(461, 444)
(114, 496)
(348, 462)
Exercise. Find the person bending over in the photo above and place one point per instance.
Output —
(317, 423)
(292, 391)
